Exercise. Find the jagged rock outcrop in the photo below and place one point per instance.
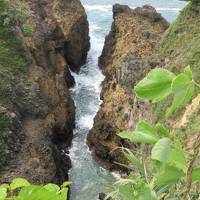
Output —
(126, 58)
(39, 111)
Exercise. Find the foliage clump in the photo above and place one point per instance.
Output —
(21, 189)
(168, 171)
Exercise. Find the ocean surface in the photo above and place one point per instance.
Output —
(87, 176)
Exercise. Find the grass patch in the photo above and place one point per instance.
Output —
(12, 63)
(180, 47)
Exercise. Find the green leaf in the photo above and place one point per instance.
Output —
(155, 86)
(169, 175)
(26, 192)
(63, 194)
(6, 186)
(162, 130)
(177, 159)
(3, 193)
(146, 193)
(144, 133)
(66, 184)
(145, 127)
(126, 192)
(196, 175)
(18, 183)
(52, 187)
(188, 72)
(183, 89)
(39, 193)
(160, 150)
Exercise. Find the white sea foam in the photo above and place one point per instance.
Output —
(108, 8)
(86, 121)
(102, 8)
(169, 9)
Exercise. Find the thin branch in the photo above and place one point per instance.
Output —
(191, 168)
(198, 85)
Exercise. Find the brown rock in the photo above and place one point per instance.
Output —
(126, 58)
(44, 106)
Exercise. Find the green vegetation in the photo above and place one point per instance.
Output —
(180, 47)
(12, 58)
(181, 42)
(12, 68)
(21, 189)
(168, 171)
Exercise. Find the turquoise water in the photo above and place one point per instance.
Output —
(87, 176)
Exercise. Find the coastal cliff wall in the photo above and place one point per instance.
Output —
(126, 58)
(37, 114)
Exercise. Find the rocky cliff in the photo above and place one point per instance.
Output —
(126, 58)
(36, 111)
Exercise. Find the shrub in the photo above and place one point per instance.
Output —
(21, 189)
(168, 172)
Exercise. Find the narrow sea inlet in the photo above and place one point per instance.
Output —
(88, 178)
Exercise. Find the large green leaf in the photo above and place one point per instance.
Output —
(188, 72)
(146, 193)
(183, 89)
(177, 159)
(126, 192)
(160, 150)
(52, 187)
(169, 175)
(42, 194)
(196, 175)
(63, 194)
(144, 133)
(18, 183)
(3, 193)
(26, 192)
(155, 86)
(162, 130)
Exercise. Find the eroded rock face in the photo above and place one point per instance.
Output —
(126, 58)
(43, 106)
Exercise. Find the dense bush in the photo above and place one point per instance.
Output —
(21, 189)
(168, 171)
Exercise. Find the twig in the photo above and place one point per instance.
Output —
(191, 168)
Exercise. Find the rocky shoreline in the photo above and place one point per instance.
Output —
(42, 112)
(126, 58)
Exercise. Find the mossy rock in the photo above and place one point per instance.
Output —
(13, 70)
(5, 126)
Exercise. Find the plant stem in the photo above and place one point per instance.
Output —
(198, 85)
(191, 167)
